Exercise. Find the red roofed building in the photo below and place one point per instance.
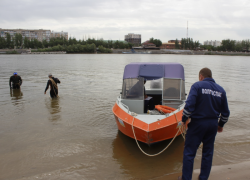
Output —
(148, 45)
(169, 45)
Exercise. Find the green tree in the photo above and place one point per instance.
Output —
(177, 45)
(91, 41)
(110, 44)
(26, 43)
(2, 43)
(245, 45)
(31, 44)
(104, 50)
(37, 44)
(157, 42)
(83, 42)
(116, 45)
(45, 43)
(8, 41)
(189, 43)
(12, 44)
(18, 40)
(228, 45)
(72, 41)
(238, 46)
(196, 44)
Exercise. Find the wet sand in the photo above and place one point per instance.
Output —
(239, 171)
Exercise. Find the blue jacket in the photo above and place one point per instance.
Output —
(206, 100)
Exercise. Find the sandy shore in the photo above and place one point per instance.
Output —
(240, 171)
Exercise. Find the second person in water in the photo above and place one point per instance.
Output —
(52, 83)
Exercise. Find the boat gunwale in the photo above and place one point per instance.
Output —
(172, 114)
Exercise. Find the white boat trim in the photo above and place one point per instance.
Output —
(147, 118)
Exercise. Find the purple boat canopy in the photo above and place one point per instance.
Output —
(152, 71)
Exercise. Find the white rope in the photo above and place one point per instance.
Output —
(184, 130)
(180, 129)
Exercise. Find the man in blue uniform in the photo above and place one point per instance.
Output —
(206, 103)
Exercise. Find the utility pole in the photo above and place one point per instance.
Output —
(187, 29)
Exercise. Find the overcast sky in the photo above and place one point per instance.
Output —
(112, 19)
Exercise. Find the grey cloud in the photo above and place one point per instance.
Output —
(163, 18)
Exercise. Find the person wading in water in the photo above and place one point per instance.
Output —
(16, 81)
(52, 82)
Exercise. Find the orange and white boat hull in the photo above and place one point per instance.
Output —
(160, 130)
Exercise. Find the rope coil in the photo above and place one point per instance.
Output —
(55, 85)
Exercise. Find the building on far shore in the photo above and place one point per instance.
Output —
(147, 45)
(39, 34)
(169, 45)
(212, 43)
(59, 34)
(133, 38)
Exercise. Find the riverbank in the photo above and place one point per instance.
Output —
(182, 52)
(128, 51)
(239, 171)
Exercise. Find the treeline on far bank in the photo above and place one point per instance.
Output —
(226, 45)
(76, 48)
(186, 43)
(230, 45)
(62, 44)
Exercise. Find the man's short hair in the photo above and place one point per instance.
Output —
(206, 73)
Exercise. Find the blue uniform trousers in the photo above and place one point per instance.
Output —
(199, 130)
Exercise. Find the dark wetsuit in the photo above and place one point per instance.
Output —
(53, 88)
(16, 82)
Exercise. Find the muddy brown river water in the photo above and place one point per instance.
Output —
(76, 137)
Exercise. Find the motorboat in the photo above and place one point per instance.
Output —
(163, 84)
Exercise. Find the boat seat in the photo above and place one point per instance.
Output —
(136, 106)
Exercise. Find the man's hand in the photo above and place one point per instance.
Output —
(220, 129)
(45, 92)
(183, 123)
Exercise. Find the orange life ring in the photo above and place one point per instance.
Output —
(165, 109)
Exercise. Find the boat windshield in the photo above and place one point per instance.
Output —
(133, 88)
(173, 89)
(154, 84)
(169, 89)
